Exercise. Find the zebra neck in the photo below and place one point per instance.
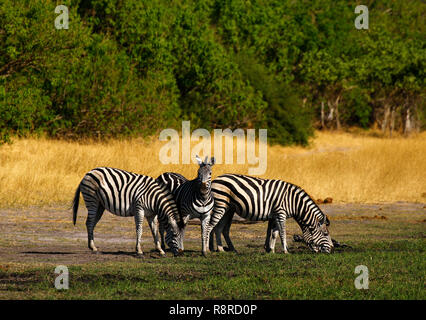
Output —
(165, 205)
(308, 215)
(204, 193)
(299, 205)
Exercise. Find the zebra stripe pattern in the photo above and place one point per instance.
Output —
(264, 199)
(193, 197)
(128, 194)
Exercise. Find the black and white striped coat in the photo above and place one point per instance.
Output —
(193, 197)
(264, 199)
(128, 194)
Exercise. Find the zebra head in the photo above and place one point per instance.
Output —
(204, 175)
(317, 236)
(174, 237)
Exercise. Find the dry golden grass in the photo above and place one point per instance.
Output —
(347, 167)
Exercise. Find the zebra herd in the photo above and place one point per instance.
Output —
(170, 201)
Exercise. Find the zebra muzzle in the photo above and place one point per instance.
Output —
(178, 252)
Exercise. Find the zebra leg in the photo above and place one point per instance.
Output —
(139, 215)
(211, 241)
(267, 245)
(206, 237)
(161, 230)
(218, 230)
(181, 237)
(153, 225)
(213, 221)
(93, 216)
(227, 226)
(274, 237)
(204, 219)
(280, 220)
(271, 236)
(223, 224)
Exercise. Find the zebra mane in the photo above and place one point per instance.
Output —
(166, 190)
(322, 218)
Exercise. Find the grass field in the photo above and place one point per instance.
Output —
(378, 187)
(347, 167)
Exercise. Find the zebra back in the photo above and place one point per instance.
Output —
(120, 191)
(171, 180)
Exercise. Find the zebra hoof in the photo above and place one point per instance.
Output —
(95, 252)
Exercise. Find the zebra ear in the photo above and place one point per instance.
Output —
(200, 162)
(212, 161)
(205, 160)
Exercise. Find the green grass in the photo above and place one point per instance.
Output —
(396, 271)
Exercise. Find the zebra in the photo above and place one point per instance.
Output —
(128, 194)
(265, 199)
(193, 197)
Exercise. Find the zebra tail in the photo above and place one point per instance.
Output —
(75, 205)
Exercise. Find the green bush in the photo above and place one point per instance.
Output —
(135, 67)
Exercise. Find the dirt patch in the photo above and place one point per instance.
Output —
(356, 217)
(47, 235)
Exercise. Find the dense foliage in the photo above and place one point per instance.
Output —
(135, 67)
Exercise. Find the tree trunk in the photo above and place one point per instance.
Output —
(392, 121)
(416, 118)
(336, 104)
(385, 118)
(407, 127)
(322, 115)
(331, 113)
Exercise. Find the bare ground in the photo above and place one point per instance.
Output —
(47, 235)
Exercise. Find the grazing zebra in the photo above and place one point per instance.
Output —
(193, 197)
(128, 194)
(263, 199)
